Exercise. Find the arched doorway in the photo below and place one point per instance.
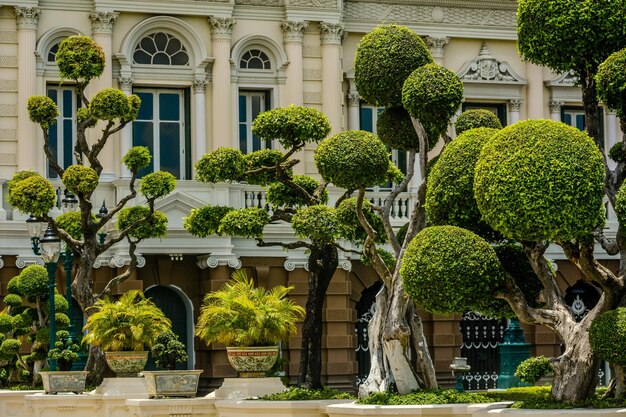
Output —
(177, 308)
(364, 311)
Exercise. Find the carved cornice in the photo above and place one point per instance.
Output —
(221, 27)
(567, 79)
(515, 104)
(293, 263)
(22, 261)
(199, 86)
(118, 261)
(102, 22)
(353, 99)
(215, 260)
(331, 33)
(126, 83)
(436, 45)
(555, 106)
(27, 17)
(486, 68)
(293, 30)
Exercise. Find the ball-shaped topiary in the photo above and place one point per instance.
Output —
(450, 193)
(205, 221)
(611, 82)
(154, 226)
(134, 103)
(475, 118)
(532, 370)
(247, 222)
(112, 104)
(137, 157)
(10, 347)
(446, 269)
(33, 281)
(83, 116)
(265, 158)
(352, 159)
(80, 58)
(318, 223)
(34, 195)
(607, 336)
(223, 164)
(395, 129)
(540, 180)
(42, 110)
(12, 300)
(61, 320)
(157, 184)
(80, 179)
(385, 58)
(6, 323)
(620, 204)
(281, 195)
(432, 94)
(71, 223)
(617, 152)
(293, 126)
(19, 176)
(13, 286)
(351, 227)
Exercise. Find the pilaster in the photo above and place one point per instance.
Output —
(199, 125)
(514, 110)
(293, 37)
(221, 33)
(332, 96)
(555, 109)
(126, 135)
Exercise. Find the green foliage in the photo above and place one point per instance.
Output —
(154, 226)
(33, 281)
(205, 221)
(538, 180)
(532, 370)
(529, 397)
(617, 152)
(353, 159)
(12, 300)
(65, 352)
(293, 126)
(60, 306)
(83, 116)
(475, 118)
(450, 194)
(223, 164)
(395, 129)
(71, 222)
(131, 323)
(19, 176)
(6, 322)
(112, 104)
(42, 110)
(432, 94)
(260, 159)
(247, 222)
(425, 397)
(280, 195)
(12, 286)
(620, 204)
(10, 347)
(607, 335)
(168, 351)
(611, 82)
(137, 157)
(446, 269)
(80, 58)
(241, 315)
(318, 223)
(34, 194)
(80, 179)
(303, 394)
(568, 35)
(388, 258)
(157, 184)
(352, 229)
(61, 320)
(385, 58)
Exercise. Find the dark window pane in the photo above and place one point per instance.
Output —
(141, 57)
(402, 163)
(255, 63)
(161, 58)
(161, 39)
(180, 58)
(147, 44)
(243, 138)
(366, 119)
(67, 103)
(580, 121)
(170, 148)
(173, 46)
(52, 93)
(256, 106)
(53, 143)
(567, 119)
(169, 106)
(256, 143)
(143, 136)
(68, 136)
(242, 109)
(146, 108)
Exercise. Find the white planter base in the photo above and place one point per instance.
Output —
(241, 388)
(124, 387)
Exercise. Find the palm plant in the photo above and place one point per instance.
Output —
(241, 315)
(130, 323)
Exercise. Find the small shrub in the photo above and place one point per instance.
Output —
(533, 369)
(425, 397)
(302, 394)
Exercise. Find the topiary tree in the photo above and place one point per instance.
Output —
(80, 60)
(607, 335)
(475, 118)
(298, 200)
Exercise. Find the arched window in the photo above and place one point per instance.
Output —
(160, 48)
(52, 52)
(255, 59)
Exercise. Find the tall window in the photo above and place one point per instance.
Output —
(161, 127)
(499, 109)
(62, 134)
(251, 103)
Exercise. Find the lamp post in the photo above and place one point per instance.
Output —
(50, 251)
(35, 227)
(104, 229)
(69, 203)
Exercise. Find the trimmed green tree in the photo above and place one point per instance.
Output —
(80, 60)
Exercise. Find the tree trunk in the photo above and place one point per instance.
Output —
(322, 263)
(590, 105)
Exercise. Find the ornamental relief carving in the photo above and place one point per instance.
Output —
(259, 2)
(313, 3)
(487, 68)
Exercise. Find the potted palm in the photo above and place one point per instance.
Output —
(124, 329)
(249, 321)
(170, 382)
(65, 352)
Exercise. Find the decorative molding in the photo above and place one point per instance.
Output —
(486, 68)
(331, 33)
(199, 86)
(312, 97)
(555, 106)
(8, 61)
(258, 2)
(567, 79)
(436, 45)
(8, 135)
(293, 30)
(215, 260)
(312, 74)
(314, 3)
(27, 17)
(515, 104)
(102, 22)
(293, 263)
(221, 27)
(8, 159)
(8, 36)
(1, 262)
(311, 51)
(345, 264)
(8, 110)
(121, 260)
(22, 261)
(354, 99)
(126, 83)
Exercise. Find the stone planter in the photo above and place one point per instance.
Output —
(126, 363)
(252, 362)
(172, 383)
(64, 381)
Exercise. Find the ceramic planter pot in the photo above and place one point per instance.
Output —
(172, 383)
(63, 381)
(252, 362)
(126, 363)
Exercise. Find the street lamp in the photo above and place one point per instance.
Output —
(69, 202)
(50, 251)
(104, 229)
(35, 227)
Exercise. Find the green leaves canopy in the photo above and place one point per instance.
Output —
(80, 58)
(280, 195)
(137, 157)
(154, 226)
(607, 336)
(475, 118)
(157, 184)
(112, 104)
(31, 193)
(80, 179)
(318, 223)
(247, 222)
(42, 110)
(293, 126)
(611, 82)
(395, 129)
(223, 164)
(205, 221)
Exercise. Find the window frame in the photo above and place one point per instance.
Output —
(266, 104)
(59, 126)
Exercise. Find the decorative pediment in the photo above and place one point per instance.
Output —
(567, 79)
(176, 206)
(485, 68)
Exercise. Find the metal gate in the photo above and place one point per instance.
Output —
(365, 310)
(481, 336)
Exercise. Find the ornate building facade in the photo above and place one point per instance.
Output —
(204, 69)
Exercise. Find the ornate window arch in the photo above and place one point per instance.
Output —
(47, 47)
(255, 59)
(160, 48)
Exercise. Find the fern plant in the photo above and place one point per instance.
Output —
(241, 315)
(130, 323)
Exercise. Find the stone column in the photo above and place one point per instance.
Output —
(354, 116)
(221, 33)
(611, 133)
(332, 97)
(514, 108)
(102, 33)
(534, 91)
(27, 154)
(199, 123)
(293, 37)
(555, 109)
(126, 135)
(436, 45)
